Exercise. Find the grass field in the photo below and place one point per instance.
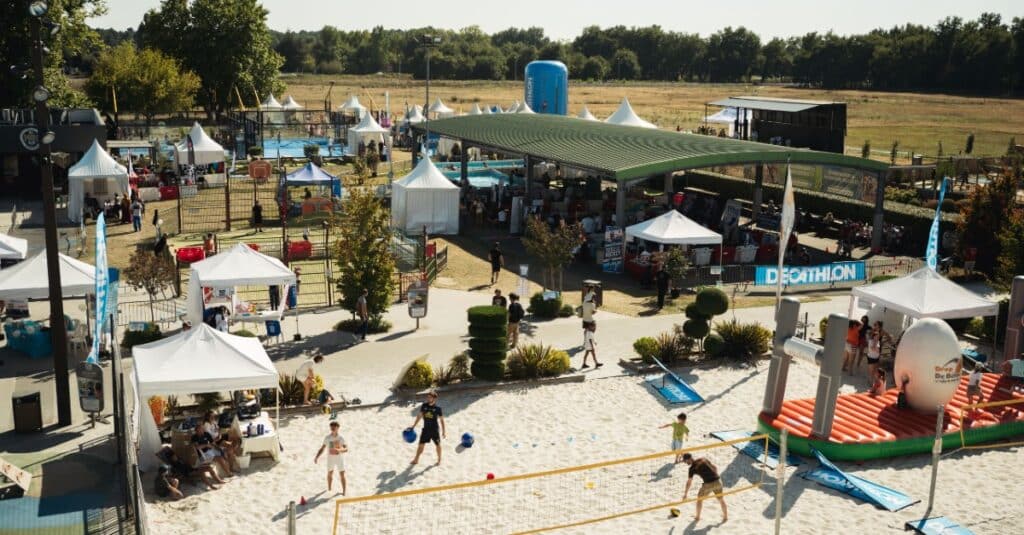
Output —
(918, 121)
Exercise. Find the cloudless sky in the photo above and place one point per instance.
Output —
(563, 19)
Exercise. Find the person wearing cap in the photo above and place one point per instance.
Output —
(432, 416)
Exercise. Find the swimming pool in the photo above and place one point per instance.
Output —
(480, 178)
(293, 147)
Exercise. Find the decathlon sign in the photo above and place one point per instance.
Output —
(798, 275)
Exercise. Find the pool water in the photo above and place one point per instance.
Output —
(293, 147)
(481, 178)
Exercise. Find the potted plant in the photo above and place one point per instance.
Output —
(676, 265)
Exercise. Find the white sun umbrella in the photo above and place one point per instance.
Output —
(625, 116)
(586, 115)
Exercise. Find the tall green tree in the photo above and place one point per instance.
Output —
(75, 39)
(595, 68)
(1010, 262)
(363, 253)
(225, 42)
(147, 82)
(296, 52)
(624, 65)
(551, 247)
(983, 219)
(732, 54)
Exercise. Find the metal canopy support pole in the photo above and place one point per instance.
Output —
(620, 204)
(936, 450)
(755, 208)
(669, 187)
(528, 162)
(780, 478)
(464, 163)
(876, 230)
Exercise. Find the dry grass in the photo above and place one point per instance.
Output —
(918, 120)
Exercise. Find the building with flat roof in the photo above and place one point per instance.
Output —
(810, 124)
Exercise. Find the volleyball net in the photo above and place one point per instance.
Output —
(573, 497)
(1007, 411)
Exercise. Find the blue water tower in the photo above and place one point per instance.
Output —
(547, 87)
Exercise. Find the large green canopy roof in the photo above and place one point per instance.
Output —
(623, 152)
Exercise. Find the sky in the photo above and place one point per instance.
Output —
(563, 19)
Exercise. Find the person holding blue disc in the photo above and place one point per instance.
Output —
(431, 414)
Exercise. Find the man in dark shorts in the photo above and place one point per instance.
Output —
(431, 415)
(497, 261)
(712, 483)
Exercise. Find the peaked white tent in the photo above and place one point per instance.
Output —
(12, 248)
(27, 279)
(368, 130)
(206, 150)
(290, 104)
(524, 108)
(926, 294)
(625, 116)
(98, 174)
(586, 115)
(673, 228)
(727, 117)
(475, 110)
(487, 110)
(238, 266)
(438, 110)
(425, 197)
(514, 108)
(195, 361)
(414, 115)
(270, 104)
(353, 107)
(271, 109)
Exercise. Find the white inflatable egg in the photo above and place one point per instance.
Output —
(929, 356)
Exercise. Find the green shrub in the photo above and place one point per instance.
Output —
(647, 348)
(555, 363)
(458, 368)
(489, 371)
(693, 312)
(713, 344)
(900, 195)
(254, 150)
(823, 327)
(976, 327)
(882, 278)
(487, 316)
(291, 390)
(696, 328)
(743, 341)
(209, 401)
(245, 332)
(712, 302)
(377, 324)
(566, 311)
(150, 334)
(487, 356)
(487, 331)
(419, 376)
(525, 361)
(545, 308)
(488, 345)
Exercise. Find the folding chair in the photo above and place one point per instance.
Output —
(274, 329)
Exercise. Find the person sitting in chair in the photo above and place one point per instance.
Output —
(182, 470)
(208, 453)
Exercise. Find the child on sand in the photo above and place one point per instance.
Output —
(679, 433)
(974, 384)
(431, 414)
(335, 445)
(590, 345)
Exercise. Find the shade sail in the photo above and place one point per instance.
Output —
(586, 115)
(28, 279)
(927, 294)
(425, 197)
(98, 173)
(625, 116)
(12, 248)
(205, 149)
(673, 228)
(238, 266)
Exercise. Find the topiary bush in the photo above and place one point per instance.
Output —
(419, 376)
(714, 344)
(712, 302)
(488, 341)
(566, 311)
(696, 328)
(742, 341)
(133, 338)
(693, 312)
(376, 325)
(542, 308)
(647, 348)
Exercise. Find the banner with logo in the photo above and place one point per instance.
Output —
(833, 273)
(830, 476)
(102, 282)
(932, 251)
(613, 250)
(785, 227)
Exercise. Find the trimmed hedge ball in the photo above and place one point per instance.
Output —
(693, 312)
(487, 345)
(489, 371)
(712, 302)
(488, 316)
(696, 328)
(714, 343)
(481, 331)
(487, 356)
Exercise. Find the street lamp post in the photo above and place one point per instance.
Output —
(429, 41)
(58, 331)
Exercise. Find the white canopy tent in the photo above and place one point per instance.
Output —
(673, 228)
(272, 110)
(12, 248)
(425, 197)
(353, 107)
(926, 294)
(514, 108)
(270, 104)
(438, 110)
(98, 174)
(586, 115)
(414, 115)
(727, 116)
(238, 266)
(27, 279)
(206, 150)
(625, 116)
(195, 361)
(368, 130)
(524, 108)
(290, 104)
(475, 110)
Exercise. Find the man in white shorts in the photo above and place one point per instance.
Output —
(335, 445)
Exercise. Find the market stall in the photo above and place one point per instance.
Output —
(205, 154)
(98, 176)
(673, 228)
(196, 361)
(313, 175)
(212, 282)
(366, 132)
(425, 198)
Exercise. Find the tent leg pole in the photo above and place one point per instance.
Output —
(277, 410)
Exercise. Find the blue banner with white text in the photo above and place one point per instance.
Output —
(833, 273)
(829, 475)
(101, 287)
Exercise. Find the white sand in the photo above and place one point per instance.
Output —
(529, 430)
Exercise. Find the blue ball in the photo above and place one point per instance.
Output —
(467, 440)
(409, 434)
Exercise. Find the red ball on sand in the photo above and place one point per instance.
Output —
(490, 475)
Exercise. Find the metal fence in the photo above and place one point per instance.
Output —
(211, 207)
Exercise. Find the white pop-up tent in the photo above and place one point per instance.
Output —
(270, 103)
(98, 175)
(926, 294)
(195, 361)
(12, 248)
(271, 109)
(586, 115)
(414, 115)
(425, 197)
(204, 148)
(673, 228)
(524, 108)
(27, 279)
(290, 104)
(625, 116)
(238, 266)
(727, 117)
(438, 110)
(353, 107)
(475, 110)
(368, 130)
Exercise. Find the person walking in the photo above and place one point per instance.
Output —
(364, 314)
(136, 208)
(306, 374)
(335, 445)
(590, 345)
(497, 261)
(432, 416)
(257, 216)
(712, 483)
(515, 315)
(662, 280)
